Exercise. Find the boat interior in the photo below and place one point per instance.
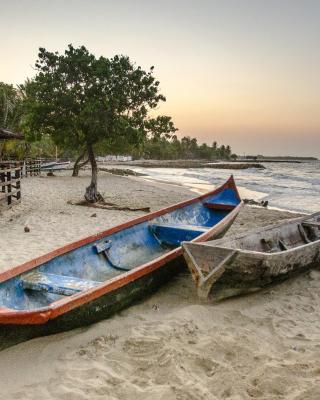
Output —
(96, 262)
(279, 238)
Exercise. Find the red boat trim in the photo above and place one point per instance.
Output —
(41, 316)
(16, 317)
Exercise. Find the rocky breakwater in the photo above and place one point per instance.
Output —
(192, 164)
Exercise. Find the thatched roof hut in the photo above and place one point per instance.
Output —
(6, 134)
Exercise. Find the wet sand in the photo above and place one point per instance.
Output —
(170, 346)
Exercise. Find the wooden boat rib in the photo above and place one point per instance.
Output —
(246, 263)
(90, 279)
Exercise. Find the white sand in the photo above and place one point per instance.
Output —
(170, 346)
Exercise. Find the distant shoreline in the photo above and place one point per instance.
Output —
(260, 160)
(278, 160)
(239, 164)
(186, 164)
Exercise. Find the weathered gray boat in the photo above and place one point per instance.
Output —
(241, 264)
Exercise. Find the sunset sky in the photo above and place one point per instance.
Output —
(244, 73)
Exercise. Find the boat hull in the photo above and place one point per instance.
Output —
(247, 272)
(95, 310)
(101, 307)
(235, 266)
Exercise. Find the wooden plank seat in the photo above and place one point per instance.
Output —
(58, 284)
(311, 224)
(312, 229)
(303, 234)
(173, 235)
(220, 206)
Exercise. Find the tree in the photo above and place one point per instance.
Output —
(186, 147)
(222, 151)
(81, 101)
(228, 152)
(10, 114)
(204, 151)
(10, 106)
(78, 164)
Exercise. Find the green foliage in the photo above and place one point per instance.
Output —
(82, 100)
(186, 148)
(44, 148)
(11, 113)
(10, 106)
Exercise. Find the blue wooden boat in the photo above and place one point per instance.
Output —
(55, 166)
(93, 278)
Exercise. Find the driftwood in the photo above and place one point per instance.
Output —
(107, 206)
(251, 202)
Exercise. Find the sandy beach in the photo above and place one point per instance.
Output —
(170, 346)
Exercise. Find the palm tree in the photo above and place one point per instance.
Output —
(10, 106)
(10, 112)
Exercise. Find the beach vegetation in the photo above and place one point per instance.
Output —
(187, 148)
(10, 106)
(10, 114)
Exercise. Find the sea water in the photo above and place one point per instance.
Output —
(290, 186)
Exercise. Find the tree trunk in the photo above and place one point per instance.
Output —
(92, 195)
(77, 166)
(1, 150)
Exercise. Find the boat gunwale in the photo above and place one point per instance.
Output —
(253, 252)
(61, 306)
(291, 221)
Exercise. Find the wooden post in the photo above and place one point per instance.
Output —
(32, 167)
(2, 179)
(9, 196)
(18, 184)
(10, 183)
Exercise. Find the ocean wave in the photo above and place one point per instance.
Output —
(294, 187)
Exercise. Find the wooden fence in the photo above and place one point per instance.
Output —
(11, 173)
(31, 168)
(10, 185)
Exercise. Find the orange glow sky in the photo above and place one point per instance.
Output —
(242, 72)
